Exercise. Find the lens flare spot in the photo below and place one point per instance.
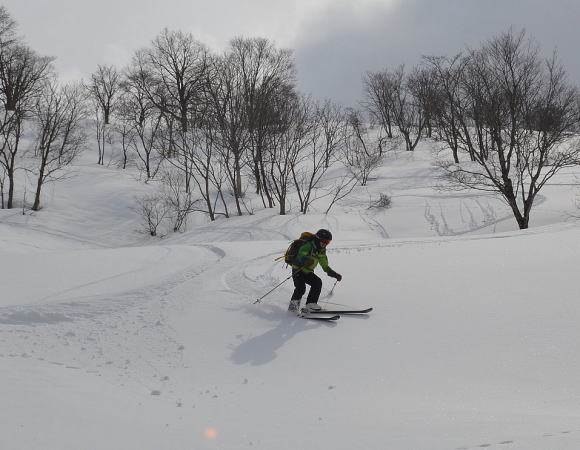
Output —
(210, 433)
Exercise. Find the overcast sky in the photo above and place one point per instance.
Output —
(335, 41)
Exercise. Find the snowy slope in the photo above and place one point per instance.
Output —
(113, 340)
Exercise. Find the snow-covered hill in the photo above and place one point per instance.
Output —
(110, 339)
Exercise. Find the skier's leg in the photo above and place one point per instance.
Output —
(299, 290)
(315, 287)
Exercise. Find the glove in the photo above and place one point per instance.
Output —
(333, 274)
(308, 263)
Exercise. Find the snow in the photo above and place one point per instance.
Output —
(110, 339)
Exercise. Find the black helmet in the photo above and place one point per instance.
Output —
(324, 235)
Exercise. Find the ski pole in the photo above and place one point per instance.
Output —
(332, 290)
(275, 287)
(259, 300)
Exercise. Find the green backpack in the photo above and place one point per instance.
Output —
(292, 251)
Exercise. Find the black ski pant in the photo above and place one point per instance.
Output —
(302, 279)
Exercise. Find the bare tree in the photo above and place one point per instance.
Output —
(447, 75)
(325, 143)
(176, 67)
(104, 135)
(104, 89)
(198, 156)
(7, 28)
(153, 210)
(7, 38)
(363, 153)
(421, 83)
(516, 118)
(341, 189)
(408, 112)
(57, 114)
(331, 120)
(179, 201)
(379, 89)
(22, 72)
(144, 118)
(11, 131)
(286, 145)
(267, 74)
(226, 118)
(125, 131)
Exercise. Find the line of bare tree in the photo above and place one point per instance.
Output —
(40, 119)
(513, 113)
(209, 127)
(226, 122)
(213, 126)
(507, 118)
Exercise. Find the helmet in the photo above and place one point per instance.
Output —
(323, 235)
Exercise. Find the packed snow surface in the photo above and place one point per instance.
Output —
(110, 339)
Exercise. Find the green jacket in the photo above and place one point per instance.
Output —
(309, 250)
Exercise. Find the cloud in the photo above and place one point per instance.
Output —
(335, 41)
(338, 47)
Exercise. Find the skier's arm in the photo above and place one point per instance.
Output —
(323, 260)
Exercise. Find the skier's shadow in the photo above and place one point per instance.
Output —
(263, 349)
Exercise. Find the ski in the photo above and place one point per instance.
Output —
(324, 319)
(339, 311)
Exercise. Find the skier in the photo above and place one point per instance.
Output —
(308, 256)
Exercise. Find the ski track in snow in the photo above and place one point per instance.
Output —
(487, 216)
(244, 281)
(237, 279)
(439, 224)
(374, 224)
(95, 334)
(251, 228)
(546, 437)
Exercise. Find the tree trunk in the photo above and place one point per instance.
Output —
(265, 188)
(206, 194)
(408, 142)
(238, 172)
(522, 220)
(36, 205)
(183, 118)
(11, 182)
